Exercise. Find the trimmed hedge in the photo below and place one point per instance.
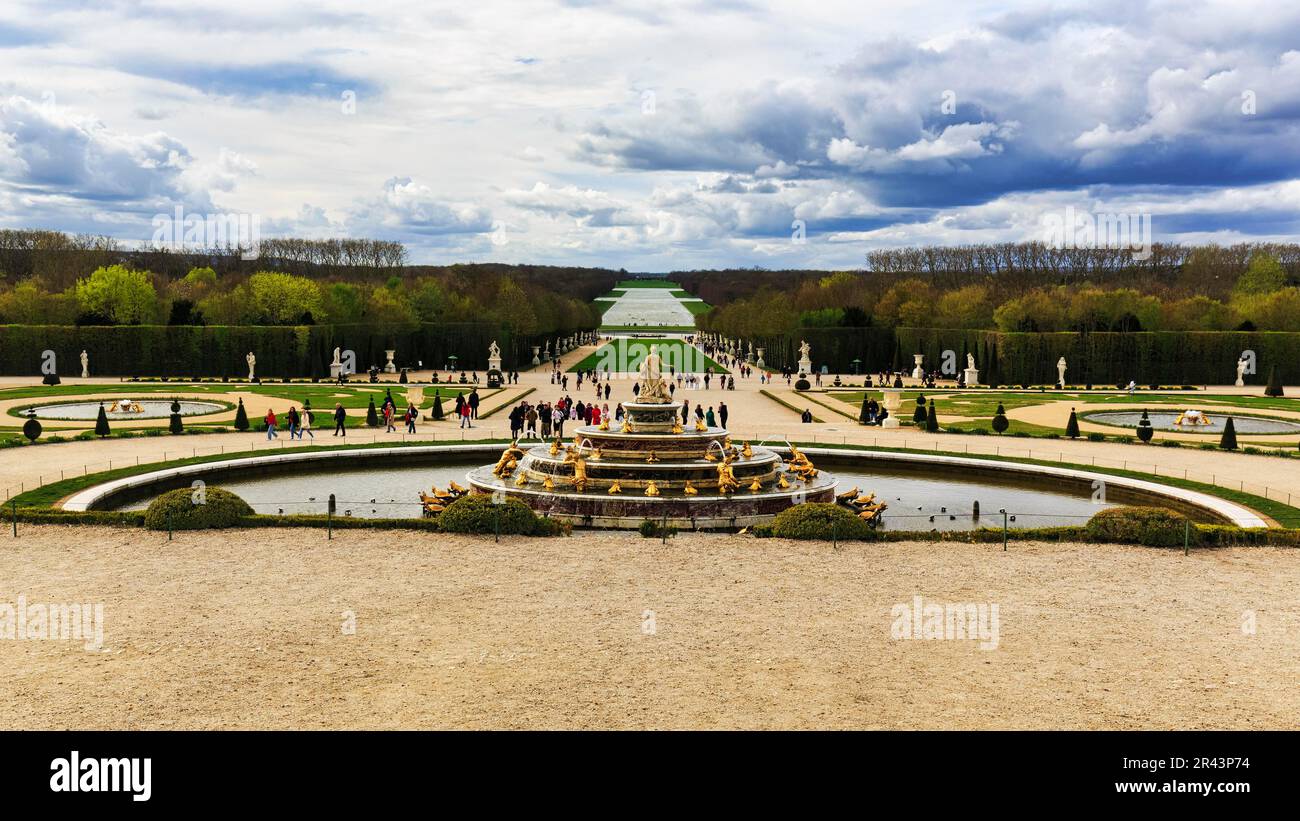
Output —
(191, 351)
(819, 520)
(1151, 526)
(477, 513)
(177, 510)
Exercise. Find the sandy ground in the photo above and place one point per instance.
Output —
(246, 629)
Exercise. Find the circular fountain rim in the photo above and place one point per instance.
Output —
(98, 494)
(1091, 416)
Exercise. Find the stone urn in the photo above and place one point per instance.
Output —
(893, 400)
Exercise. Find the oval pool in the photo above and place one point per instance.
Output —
(149, 409)
(932, 500)
(1164, 420)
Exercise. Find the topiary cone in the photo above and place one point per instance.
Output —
(1274, 383)
(1229, 440)
(1072, 426)
(931, 419)
(372, 417)
(436, 412)
(101, 422)
(241, 417)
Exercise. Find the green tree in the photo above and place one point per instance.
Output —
(1264, 275)
(121, 295)
(513, 307)
(273, 298)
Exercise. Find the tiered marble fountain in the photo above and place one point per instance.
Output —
(651, 467)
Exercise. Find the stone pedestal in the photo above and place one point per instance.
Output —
(972, 377)
(390, 367)
(336, 368)
(805, 366)
(494, 363)
(918, 372)
(893, 399)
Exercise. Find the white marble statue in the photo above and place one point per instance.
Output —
(1242, 364)
(85, 365)
(338, 357)
(1060, 372)
(653, 388)
(805, 358)
(252, 364)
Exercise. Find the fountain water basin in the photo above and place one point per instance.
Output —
(653, 468)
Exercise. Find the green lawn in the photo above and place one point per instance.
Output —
(625, 356)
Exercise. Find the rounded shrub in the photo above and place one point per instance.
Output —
(802, 384)
(191, 510)
(1151, 526)
(819, 520)
(477, 513)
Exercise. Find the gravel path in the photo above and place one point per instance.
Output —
(247, 629)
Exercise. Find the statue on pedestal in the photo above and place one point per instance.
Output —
(1242, 364)
(805, 358)
(1060, 372)
(654, 390)
(85, 366)
(252, 365)
(336, 367)
(972, 373)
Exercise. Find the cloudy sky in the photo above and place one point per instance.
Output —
(652, 136)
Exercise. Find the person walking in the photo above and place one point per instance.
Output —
(557, 420)
(340, 419)
(464, 416)
(722, 413)
(547, 419)
(304, 424)
(530, 416)
(460, 403)
(291, 418)
(411, 415)
(271, 423)
(473, 404)
(710, 419)
(389, 427)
